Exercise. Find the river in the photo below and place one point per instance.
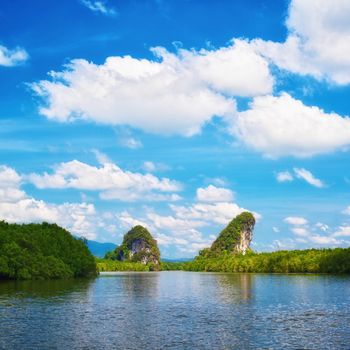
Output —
(177, 310)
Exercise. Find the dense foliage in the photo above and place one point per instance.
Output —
(115, 265)
(229, 237)
(174, 265)
(140, 239)
(289, 261)
(42, 251)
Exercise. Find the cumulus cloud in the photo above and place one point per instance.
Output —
(214, 194)
(316, 234)
(177, 93)
(300, 231)
(324, 240)
(181, 235)
(17, 206)
(284, 176)
(12, 57)
(295, 220)
(318, 43)
(101, 157)
(220, 213)
(283, 126)
(346, 211)
(110, 180)
(342, 231)
(99, 7)
(184, 227)
(323, 227)
(307, 176)
(152, 167)
(130, 142)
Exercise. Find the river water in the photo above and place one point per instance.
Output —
(177, 310)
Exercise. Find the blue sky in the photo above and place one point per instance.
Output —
(177, 115)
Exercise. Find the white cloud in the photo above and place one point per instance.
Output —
(217, 181)
(308, 236)
(342, 231)
(9, 185)
(181, 229)
(324, 240)
(12, 57)
(130, 142)
(296, 220)
(17, 206)
(284, 176)
(300, 231)
(152, 167)
(214, 194)
(306, 175)
(220, 213)
(323, 227)
(175, 224)
(101, 157)
(346, 211)
(99, 6)
(178, 232)
(177, 93)
(302, 174)
(275, 229)
(318, 42)
(282, 126)
(284, 244)
(111, 180)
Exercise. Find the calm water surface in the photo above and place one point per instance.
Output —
(177, 310)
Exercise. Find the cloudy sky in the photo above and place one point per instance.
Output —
(177, 115)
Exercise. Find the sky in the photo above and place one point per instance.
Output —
(177, 115)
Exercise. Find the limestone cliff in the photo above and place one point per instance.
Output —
(235, 237)
(139, 246)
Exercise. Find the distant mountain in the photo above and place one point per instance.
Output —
(100, 249)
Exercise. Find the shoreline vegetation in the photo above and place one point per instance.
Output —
(231, 252)
(334, 261)
(43, 251)
(47, 251)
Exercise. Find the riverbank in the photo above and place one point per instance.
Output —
(290, 261)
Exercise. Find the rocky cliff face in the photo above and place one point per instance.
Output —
(139, 246)
(246, 236)
(235, 237)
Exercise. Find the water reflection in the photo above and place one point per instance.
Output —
(53, 291)
(177, 310)
(235, 288)
(140, 285)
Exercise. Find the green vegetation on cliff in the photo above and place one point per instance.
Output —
(238, 231)
(138, 246)
(42, 251)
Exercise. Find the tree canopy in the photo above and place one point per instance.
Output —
(42, 251)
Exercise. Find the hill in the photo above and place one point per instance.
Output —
(235, 238)
(42, 251)
(138, 246)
